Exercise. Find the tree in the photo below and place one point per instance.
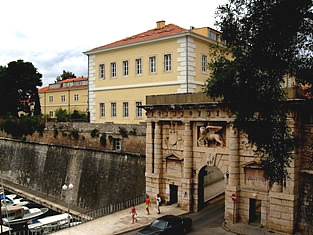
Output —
(267, 40)
(65, 75)
(19, 81)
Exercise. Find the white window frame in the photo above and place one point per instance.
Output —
(101, 71)
(113, 70)
(117, 143)
(125, 68)
(138, 66)
(125, 109)
(51, 99)
(152, 64)
(167, 62)
(63, 99)
(138, 110)
(51, 114)
(204, 63)
(113, 109)
(102, 110)
(213, 36)
(76, 97)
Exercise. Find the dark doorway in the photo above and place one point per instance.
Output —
(202, 173)
(255, 212)
(173, 193)
(211, 183)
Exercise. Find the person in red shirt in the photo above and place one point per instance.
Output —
(133, 213)
(148, 204)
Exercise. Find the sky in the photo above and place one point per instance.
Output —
(53, 34)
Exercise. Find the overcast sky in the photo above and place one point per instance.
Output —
(53, 34)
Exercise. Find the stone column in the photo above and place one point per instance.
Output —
(283, 200)
(231, 208)
(149, 148)
(158, 149)
(187, 197)
(149, 158)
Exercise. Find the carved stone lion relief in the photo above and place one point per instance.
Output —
(210, 136)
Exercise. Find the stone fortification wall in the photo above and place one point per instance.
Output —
(102, 127)
(99, 177)
(305, 211)
(132, 138)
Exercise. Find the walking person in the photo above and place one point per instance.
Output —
(148, 204)
(158, 202)
(133, 213)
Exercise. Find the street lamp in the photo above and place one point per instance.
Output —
(68, 188)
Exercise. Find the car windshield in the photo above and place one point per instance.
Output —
(159, 224)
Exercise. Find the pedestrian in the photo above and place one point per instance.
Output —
(133, 213)
(148, 204)
(158, 202)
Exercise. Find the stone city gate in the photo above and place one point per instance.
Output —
(184, 134)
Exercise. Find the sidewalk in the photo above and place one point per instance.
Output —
(246, 229)
(120, 222)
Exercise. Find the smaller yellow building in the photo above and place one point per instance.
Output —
(70, 94)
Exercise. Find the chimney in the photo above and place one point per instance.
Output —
(160, 24)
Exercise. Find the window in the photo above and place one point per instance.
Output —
(138, 109)
(75, 97)
(204, 63)
(51, 114)
(102, 110)
(152, 64)
(213, 36)
(167, 62)
(125, 109)
(101, 70)
(125, 68)
(51, 99)
(138, 67)
(113, 109)
(113, 70)
(62, 98)
(117, 144)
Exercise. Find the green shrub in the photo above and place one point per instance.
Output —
(123, 132)
(61, 115)
(94, 133)
(78, 115)
(103, 139)
(75, 134)
(55, 132)
(23, 126)
(133, 132)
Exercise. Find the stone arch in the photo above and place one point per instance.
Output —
(211, 183)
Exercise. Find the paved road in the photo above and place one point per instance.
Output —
(208, 220)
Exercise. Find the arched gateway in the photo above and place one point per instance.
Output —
(187, 133)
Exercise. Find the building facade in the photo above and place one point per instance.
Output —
(70, 94)
(189, 132)
(164, 60)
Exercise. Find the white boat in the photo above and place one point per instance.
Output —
(20, 214)
(53, 222)
(14, 202)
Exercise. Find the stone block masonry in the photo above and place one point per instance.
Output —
(99, 178)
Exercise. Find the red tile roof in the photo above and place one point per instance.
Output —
(73, 80)
(48, 88)
(167, 30)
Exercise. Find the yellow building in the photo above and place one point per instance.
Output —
(164, 60)
(70, 94)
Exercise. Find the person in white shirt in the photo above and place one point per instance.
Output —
(158, 202)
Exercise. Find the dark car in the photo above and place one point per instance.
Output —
(168, 224)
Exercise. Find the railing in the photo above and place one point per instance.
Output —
(110, 209)
(84, 217)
